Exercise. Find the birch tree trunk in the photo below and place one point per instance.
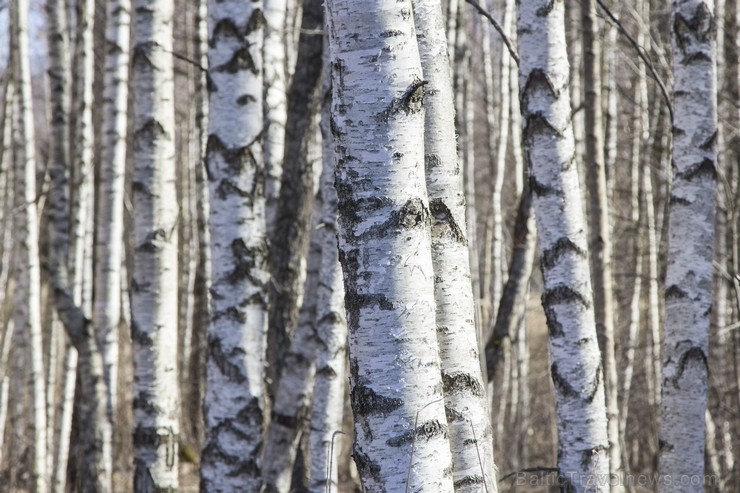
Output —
(600, 243)
(291, 408)
(688, 294)
(154, 276)
(109, 217)
(331, 332)
(201, 295)
(27, 237)
(464, 388)
(288, 247)
(574, 352)
(385, 247)
(275, 103)
(234, 403)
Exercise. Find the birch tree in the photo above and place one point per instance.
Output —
(287, 254)
(26, 226)
(385, 247)
(234, 404)
(109, 234)
(599, 242)
(331, 324)
(464, 386)
(154, 276)
(548, 141)
(275, 102)
(688, 294)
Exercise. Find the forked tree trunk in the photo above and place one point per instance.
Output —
(574, 352)
(466, 398)
(385, 248)
(234, 404)
(688, 294)
(154, 276)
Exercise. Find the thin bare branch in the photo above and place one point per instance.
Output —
(498, 28)
(641, 53)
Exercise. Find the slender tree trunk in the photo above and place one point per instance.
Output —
(275, 103)
(27, 237)
(234, 404)
(201, 294)
(466, 399)
(385, 248)
(574, 352)
(331, 331)
(688, 292)
(287, 255)
(290, 410)
(600, 243)
(64, 429)
(516, 291)
(154, 276)
(640, 136)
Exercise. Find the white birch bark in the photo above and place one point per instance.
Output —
(109, 216)
(154, 276)
(63, 430)
(499, 169)
(600, 243)
(27, 237)
(385, 247)
(576, 371)
(234, 398)
(275, 102)
(331, 327)
(5, 385)
(688, 294)
(464, 388)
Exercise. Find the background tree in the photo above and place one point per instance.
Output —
(688, 292)
(153, 299)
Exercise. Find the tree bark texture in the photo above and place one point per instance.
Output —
(549, 146)
(275, 103)
(327, 410)
(466, 399)
(385, 247)
(234, 403)
(154, 277)
(109, 217)
(688, 292)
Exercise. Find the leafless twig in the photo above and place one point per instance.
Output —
(641, 53)
(498, 28)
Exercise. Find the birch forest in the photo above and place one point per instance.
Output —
(348, 246)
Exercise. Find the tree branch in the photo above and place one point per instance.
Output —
(641, 53)
(498, 29)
